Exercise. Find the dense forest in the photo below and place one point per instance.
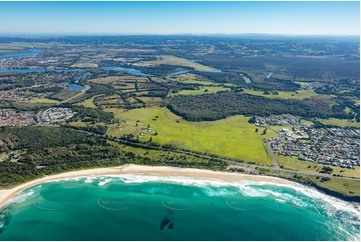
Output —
(30, 137)
(36, 151)
(221, 105)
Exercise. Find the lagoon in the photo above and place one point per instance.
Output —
(75, 87)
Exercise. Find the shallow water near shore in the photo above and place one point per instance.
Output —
(140, 207)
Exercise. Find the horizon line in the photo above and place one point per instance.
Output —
(169, 34)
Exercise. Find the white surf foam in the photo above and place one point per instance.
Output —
(22, 197)
(248, 188)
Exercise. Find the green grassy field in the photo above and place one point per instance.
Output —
(287, 95)
(202, 90)
(151, 101)
(205, 83)
(292, 163)
(307, 122)
(158, 155)
(84, 65)
(346, 187)
(44, 100)
(190, 79)
(339, 122)
(89, 103)
(233, 137)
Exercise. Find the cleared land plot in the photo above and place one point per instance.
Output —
(190, 79)
(287, 95)
(44, 100)
(307, 122)
(119, 79)
(233, 137)
(203, 90)
(292, 163)
(151, 101)
(339, 122)
(347, 187)
(84, 65)
(125, 86)
(174, 60)
(89, 103)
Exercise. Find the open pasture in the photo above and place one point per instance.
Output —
(233, 137)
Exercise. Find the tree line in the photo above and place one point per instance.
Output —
(209, 107)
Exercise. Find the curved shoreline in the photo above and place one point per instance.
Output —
(7, 194)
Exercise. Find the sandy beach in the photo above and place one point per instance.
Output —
(7, 194)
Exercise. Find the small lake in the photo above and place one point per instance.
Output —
(213, 71)
(177, 73)
(75, 87)
(184, 72)
(269, 75)
(31, 52)
(246, 79)
(193, 60)
(131, 71)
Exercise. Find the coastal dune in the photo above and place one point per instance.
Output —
(7, 194)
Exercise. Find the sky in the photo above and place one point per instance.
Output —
(295, 18)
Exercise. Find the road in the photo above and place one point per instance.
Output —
(272, 155)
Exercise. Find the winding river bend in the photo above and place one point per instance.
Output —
(31, 52)
(34, 52)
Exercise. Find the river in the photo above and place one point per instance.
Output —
(31, 52)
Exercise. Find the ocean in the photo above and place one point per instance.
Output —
(140, 207)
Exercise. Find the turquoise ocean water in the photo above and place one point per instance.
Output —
(135, 207)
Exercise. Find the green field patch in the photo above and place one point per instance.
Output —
(293, 163)
(190, 79)
(205, 83)
(203, 90)
(151, 101)
(84, 65)
(233, 137)
(307, 122)
(339, 122)
(89, 103)
(44, 100)
(287, 95)
(346, 187)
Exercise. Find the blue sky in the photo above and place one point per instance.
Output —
(337, 18)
